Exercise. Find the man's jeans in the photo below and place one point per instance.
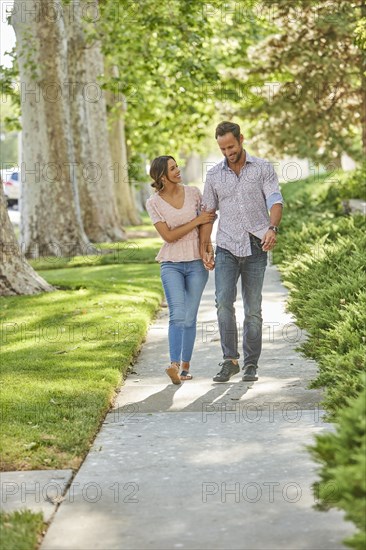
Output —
(227, 272)
(183, 285)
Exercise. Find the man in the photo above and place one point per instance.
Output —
(244, 189)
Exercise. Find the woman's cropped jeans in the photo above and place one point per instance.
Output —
(183, 285)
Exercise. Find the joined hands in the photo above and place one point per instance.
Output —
(209, 260)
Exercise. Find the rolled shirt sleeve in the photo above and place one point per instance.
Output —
(271, 187)
(275, 198)
(244, 201)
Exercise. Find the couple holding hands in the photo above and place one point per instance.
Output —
(245, 191)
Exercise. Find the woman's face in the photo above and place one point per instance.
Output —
(173, 172)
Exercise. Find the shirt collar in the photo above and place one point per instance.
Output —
(248, 158)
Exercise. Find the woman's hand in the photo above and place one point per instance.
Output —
(205, 217)
(209, 260)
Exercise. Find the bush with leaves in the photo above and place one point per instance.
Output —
(321, 256)
(343, 458)
(353, 184)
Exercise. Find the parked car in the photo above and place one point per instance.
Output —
(11, 186)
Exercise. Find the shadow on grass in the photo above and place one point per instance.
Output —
(64, 356)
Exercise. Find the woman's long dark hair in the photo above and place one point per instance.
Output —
(158, 169)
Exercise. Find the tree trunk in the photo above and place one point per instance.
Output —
(16, 275)
(125, 193)
(143, 192)
(89, 126)
(51, 221)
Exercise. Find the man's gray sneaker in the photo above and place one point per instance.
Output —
(250, 374)
(228, 369)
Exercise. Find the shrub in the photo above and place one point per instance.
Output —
(353, 184)
(343, 458)
(322, 260)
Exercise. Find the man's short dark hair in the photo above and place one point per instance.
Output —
(226, 127)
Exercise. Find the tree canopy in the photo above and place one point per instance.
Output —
(164, 54)
(293, 72)
(302, 88)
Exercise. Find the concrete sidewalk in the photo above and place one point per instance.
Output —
(205, 465)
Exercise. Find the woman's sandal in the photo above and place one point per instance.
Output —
(173, 373)
(185, 375)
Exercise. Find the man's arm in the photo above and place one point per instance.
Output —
(206, 248)
(270, 238)
(275, 214)
(209, 204)
(274, 201)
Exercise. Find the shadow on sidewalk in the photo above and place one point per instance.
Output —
(224, 395)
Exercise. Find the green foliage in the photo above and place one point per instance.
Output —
(321, 255)
(137, 168)
(327, 301)
(360, 32)
(184, 64)
(164, 56)
(10, 96)
(20, 530)
(9, 150)
(299, 104)
(353, 184)
(9, 144)
(343, 458)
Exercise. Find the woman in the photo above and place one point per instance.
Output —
(174, 209)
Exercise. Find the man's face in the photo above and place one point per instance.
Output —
(230, 147)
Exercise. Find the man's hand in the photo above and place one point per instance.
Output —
(269, 241)
(208, 260)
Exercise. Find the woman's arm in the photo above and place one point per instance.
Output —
(206, 248)
(172, 235)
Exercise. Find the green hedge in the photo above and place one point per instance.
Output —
(321, 256)
(326, 296)
(343, 458)
(352, 185)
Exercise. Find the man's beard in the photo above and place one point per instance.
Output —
(236, 159)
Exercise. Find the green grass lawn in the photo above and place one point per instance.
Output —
(20, 530)
(64, 354)
(136, 250)
(146, 225)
